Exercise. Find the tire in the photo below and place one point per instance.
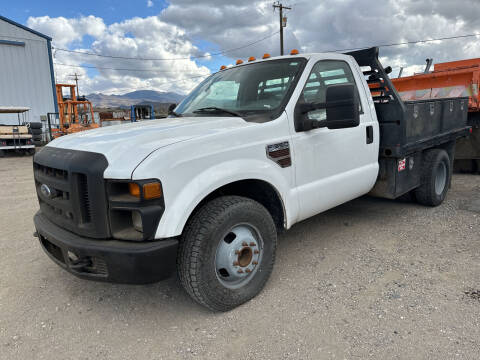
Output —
(35, 125)
(435, 179)
(31, 151)
(37, 137)
(211, 230)
(37, 143)
(34, 131)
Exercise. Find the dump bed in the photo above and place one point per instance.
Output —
(406, 127)
(450, 79)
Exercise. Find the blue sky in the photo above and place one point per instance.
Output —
(110, 10)
(183, 27)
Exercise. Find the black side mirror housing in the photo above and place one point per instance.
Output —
(171, 107)
(342, 109)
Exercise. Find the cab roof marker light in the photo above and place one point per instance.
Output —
(251, 58)
(294, 52)
(239, 62)
(266, 56)
(223, 67)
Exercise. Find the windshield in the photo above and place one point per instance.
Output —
(253, 90)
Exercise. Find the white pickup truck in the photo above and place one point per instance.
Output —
(254, 149)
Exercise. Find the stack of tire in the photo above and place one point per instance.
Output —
(35, 129)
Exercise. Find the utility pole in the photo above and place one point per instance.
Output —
(76, 77)
(283, 21)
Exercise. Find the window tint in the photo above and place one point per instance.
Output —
(325, 73)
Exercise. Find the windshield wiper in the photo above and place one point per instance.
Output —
(215, 109)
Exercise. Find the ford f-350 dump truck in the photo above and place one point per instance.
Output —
(253, 149)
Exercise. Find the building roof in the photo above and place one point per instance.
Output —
(13, 109)
(25, 28)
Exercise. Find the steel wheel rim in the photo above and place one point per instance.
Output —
(238, 256)
(440, 178)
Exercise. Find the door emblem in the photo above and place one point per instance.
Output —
(280, 153)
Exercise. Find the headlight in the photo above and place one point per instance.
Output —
(135, 208)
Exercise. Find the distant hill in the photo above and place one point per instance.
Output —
(132, 98)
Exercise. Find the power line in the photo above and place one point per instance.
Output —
(165, 59)
(337, 50)
(408, 42)
(110, 68)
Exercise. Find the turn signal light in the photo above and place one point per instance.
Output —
(151, 190)
(294, 52)
(251, 58)
(266, 56)
(223, 67)
(134, 189)
(239, 62)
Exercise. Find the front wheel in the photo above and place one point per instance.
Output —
(227, 252)
(436, 176)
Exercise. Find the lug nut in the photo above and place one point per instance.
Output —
(235, 263)
(244, 243)
(252, 244)
(255, 262)
(248, 270)
(240, 271)
(237, 252)
(256, 252)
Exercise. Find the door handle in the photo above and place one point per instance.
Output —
(369, 134)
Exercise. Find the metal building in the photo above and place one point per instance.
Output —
(26, 71)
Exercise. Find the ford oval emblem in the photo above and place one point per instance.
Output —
(45, 190)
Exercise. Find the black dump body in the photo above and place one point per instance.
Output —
(408, 128)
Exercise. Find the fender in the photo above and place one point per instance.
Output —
(179, 208)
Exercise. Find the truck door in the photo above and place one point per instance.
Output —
(333, 166)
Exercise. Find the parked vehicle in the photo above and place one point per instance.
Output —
(16, 138)
(253, 149)
(451, 79)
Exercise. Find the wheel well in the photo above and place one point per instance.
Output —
(254, 189)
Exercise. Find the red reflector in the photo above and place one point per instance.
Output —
(471, 130)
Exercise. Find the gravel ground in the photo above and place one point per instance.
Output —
(370, 279)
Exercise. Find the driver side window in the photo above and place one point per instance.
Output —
(324, 73)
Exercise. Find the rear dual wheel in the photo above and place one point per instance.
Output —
(227, 252)
(436, 177)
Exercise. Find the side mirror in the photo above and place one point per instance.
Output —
(171, 107)
(342, 110)
(342, 107)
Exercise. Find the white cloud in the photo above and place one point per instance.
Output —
(312, 26)
(136, 37)
(149, 3)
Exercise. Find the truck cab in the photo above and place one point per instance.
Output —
(253, 149)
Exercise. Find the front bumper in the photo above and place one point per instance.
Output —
(125, 262)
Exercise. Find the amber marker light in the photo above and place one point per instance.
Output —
(152, 190)
(223, 67)
(251, 58)
(266, 56)
(134, 189)
(239, 62)
(294, 52)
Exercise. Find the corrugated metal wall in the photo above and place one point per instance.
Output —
(25, 78)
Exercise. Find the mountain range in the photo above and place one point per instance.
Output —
(100, 100)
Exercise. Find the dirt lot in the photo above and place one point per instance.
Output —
(370, 279)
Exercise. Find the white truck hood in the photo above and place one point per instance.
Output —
(125, 146)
